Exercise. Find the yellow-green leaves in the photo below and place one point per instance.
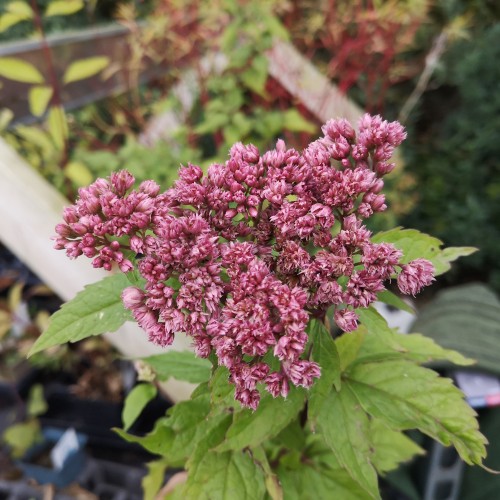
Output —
(15, 12)
(85, 68)
(63, 7)
(39, 98)
(19, 70)
(78, 173)
(58, 126)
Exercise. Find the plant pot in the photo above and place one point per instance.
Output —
(71, 466)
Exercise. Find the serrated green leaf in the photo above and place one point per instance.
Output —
(153, 480)
(345, 428)
(393, 300)
(390, 447)
(273, 415)
(415, 244)
(95, 310)
(135, 402)
(226, 476)
(85, 68)
(407, 396)
(63, 7)
(324, 352)
(383, 343)
(58, 126)
(156, 442)
(39, 98)
(221, 391)
(19, 70)
(312, 482)
(348, 346)
(182, 365)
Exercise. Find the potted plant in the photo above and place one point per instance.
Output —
(266, 263)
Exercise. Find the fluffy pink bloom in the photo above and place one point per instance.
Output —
(241, 258)
(415, 275)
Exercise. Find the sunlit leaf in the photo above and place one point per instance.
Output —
(19, 70)
(85, 68)
(9, 19)
(21, 8)
(58, 126)
(39, 98)
(63, 7)
(78, 173)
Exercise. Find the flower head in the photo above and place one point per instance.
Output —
(241, 258)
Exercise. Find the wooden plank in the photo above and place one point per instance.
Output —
(306, 83)
(29, 210)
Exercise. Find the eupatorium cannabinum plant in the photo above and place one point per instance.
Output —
(266, 263)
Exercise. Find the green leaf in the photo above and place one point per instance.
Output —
(8, 20)
(182, 365)
(135, 402)
(271, 480)
(177, 436)
(153, 480)
(85, 68)
(36, 401)
(19, 70)
(156, 442)
(39, 98)
(345, 428)
(383, 343)
(226, 476)
(212, 123)
(36, 136)
(390, 447)
(95, 310)
(21, 8)
(63, 7)
(295, 122)
(348, 346)
(255, 77)
(415, 244)
(324, 352)
(407, 396)
(21, 437)
(313, 482)
(273, 415)
(393, 300)
(58, 126)
(78, 173)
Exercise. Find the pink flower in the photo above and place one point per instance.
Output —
(346, 319)
(415, 275)
(241, 258)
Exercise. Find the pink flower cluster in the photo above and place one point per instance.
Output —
(240, 259)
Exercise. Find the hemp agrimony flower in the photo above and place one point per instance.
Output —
(240, 259)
